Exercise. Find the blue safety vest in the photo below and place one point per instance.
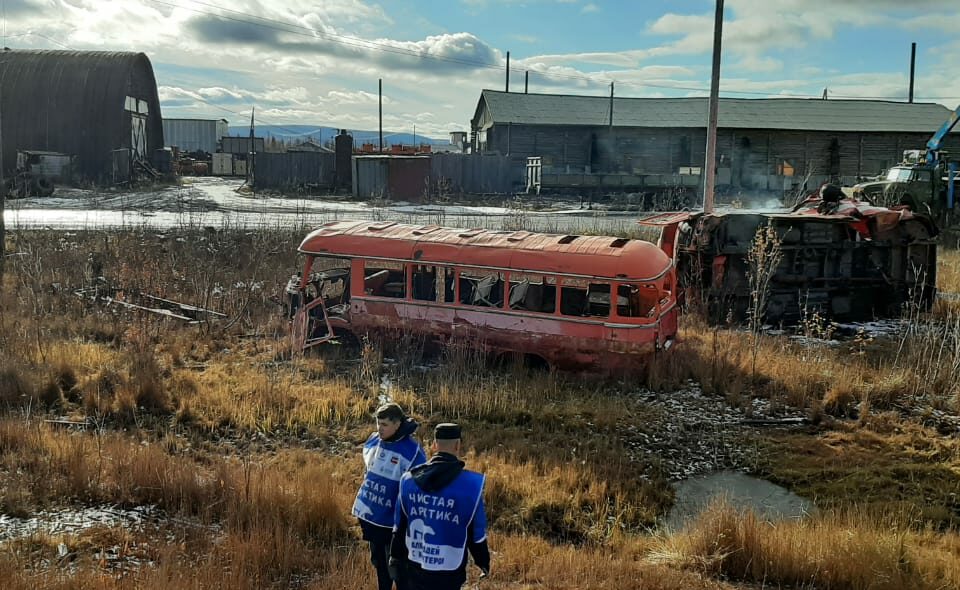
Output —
(386, 463)
(438, 523)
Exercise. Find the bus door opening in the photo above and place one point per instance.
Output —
(313, 302)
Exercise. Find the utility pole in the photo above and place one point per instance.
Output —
(710, 166)
(251, 179)
(611, 107)
(526, 81)
(3, 185)
(380, 107)
(508, 73)
(913, 66)
(613, 144)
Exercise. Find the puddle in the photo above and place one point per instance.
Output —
(769, 501)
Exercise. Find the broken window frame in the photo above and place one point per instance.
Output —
(477, 276)
(571, 285)
(650, 297)
(440, 274)
(545, 281)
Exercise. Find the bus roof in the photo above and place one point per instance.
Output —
(592, 256)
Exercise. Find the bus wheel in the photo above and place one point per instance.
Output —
(505, 359)
(535, 362)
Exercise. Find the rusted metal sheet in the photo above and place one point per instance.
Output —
(569, 254)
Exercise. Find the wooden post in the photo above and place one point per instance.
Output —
(613, 148)
(380, 108)
(710, 166)
(507, 85)
(913, 66)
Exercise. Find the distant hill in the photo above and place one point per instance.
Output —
(322, 134)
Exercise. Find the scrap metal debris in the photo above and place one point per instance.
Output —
(136, 300)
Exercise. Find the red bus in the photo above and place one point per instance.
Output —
(541, 297)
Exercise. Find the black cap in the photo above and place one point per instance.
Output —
(390, 411)
(447, 431)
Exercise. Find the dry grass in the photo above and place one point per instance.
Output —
(215, 424)
(845, 549)
(948, 270)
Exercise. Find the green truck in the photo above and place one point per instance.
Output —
(926, 181)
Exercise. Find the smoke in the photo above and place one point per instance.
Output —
(760, 203)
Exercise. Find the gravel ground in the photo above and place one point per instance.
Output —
(692, 433)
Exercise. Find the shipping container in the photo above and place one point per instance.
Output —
(50, 165)
(239, 167)
(194, 135)
(223, 164)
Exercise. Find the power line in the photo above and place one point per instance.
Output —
(301, 30)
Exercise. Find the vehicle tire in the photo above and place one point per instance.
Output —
(908, 201)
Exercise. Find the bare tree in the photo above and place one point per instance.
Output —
(764, 258)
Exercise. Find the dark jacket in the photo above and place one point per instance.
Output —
(433, 477)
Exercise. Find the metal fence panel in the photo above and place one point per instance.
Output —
(293, 170)
(476, 173)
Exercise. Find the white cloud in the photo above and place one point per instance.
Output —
(608, 58)
(341, 98)
(588, 8)
(755, 64)
(318, 62)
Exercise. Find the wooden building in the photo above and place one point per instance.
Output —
(761, 142)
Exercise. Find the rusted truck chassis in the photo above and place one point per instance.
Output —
(845, 260)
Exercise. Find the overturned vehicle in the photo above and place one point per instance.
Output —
(838, 257)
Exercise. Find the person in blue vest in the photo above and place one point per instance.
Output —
(388, 454)
(439, 518)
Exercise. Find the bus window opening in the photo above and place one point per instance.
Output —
(385, 279)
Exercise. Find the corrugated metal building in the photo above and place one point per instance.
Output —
(757, 139)
(83, 104)
(195, 135)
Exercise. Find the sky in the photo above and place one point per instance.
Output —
(317, 62)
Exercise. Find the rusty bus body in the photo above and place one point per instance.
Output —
(540, 297)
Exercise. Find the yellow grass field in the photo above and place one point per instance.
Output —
(249, 460)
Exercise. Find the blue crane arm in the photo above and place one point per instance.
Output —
(936, 140)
